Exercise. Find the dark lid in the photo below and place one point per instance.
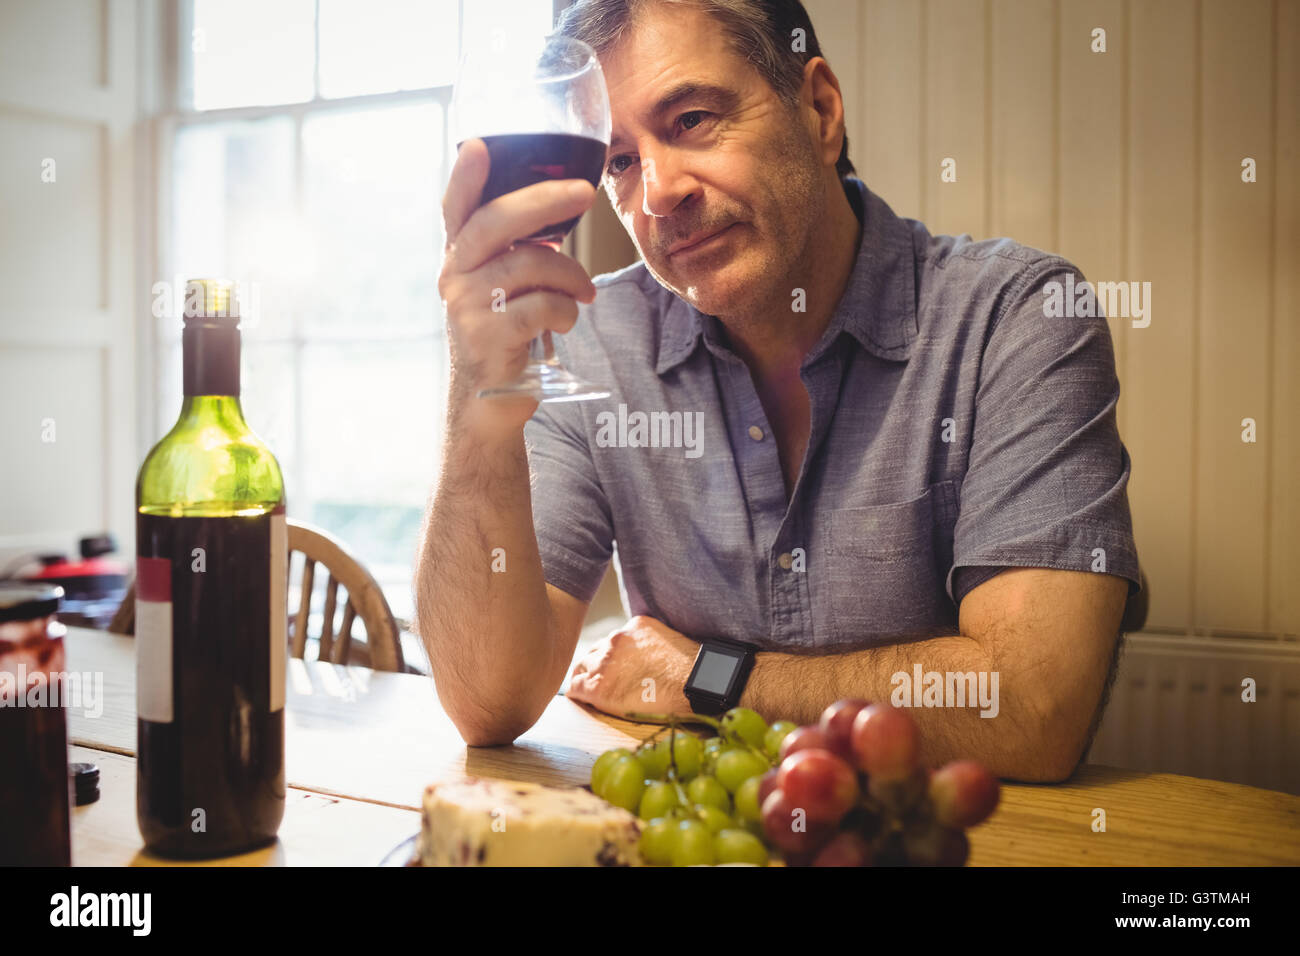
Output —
(95, 545)
(85, 782)
(27, 602)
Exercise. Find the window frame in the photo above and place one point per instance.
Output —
(175, 113)
(179, 114)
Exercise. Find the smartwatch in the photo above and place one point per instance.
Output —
(718, 678)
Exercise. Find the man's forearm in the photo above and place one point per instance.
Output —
(488, 631)
(1014, 743)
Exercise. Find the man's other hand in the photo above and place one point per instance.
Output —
(641, 667)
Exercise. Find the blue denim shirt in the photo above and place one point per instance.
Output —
(956, 430)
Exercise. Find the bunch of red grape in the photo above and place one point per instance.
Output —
(851, 791)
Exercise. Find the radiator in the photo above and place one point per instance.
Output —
(1176, 707)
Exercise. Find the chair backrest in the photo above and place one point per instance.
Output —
(383, 647)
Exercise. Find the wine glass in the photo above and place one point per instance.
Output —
(540, 105)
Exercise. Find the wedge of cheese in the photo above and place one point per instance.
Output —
(480, 822)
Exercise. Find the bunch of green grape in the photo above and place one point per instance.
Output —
(699, 798)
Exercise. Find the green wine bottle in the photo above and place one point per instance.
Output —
(211, 591)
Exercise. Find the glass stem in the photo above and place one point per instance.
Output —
(542, 350)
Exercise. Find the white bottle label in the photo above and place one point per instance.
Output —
(153, 640)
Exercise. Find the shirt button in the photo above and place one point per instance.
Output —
(755, 433)
(785, 561)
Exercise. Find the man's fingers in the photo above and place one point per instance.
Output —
(464, 187)
(498, 336)
(530, 266)
(495, 226)
(540, 310)
(511, 286)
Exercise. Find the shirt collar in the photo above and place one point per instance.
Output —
(878, 307)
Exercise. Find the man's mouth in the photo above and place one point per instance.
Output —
(698, 243)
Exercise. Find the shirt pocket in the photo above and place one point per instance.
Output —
(888, 565)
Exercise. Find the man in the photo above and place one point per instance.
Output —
(903, 464)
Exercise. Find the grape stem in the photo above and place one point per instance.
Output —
(681, 795)
(672, 719)
(655, 736)
(672, 745)
(732, 738)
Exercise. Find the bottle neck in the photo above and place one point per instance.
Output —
(223, 411)
(210, 349)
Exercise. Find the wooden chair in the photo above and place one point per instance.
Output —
(382, 649)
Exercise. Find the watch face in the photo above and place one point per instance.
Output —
(714, 671)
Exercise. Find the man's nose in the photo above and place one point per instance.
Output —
(664, 185)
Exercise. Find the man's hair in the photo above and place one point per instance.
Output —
(762, 32)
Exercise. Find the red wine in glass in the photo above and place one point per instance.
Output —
(522, 159)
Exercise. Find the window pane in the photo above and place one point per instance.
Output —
(232, 216)
(371, 187)
(252, 53)
(169, 389)
(268, 381)
(386, 45)
(369, 422)
(370, 431)
(510, 17)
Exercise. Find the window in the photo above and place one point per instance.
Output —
(307, 161)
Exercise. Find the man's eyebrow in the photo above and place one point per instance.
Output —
(721, 98)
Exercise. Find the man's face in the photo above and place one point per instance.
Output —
(722, 154)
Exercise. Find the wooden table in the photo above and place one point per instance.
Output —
(361, 745)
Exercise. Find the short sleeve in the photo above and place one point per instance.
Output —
(1046, 483)
(571, 514)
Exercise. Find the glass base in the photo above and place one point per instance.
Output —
(548, 382)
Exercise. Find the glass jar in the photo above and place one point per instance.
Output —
(34, 822)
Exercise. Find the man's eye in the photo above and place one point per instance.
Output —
(617, 166)
(696, 115)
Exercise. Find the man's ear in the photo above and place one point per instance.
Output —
(821, 94)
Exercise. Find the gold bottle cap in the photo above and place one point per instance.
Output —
(211, 298)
